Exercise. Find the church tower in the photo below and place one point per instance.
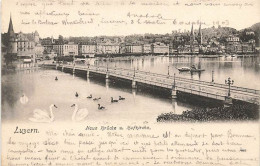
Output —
(200, 36)
(36, 37)
(192, 39)
(12, 41)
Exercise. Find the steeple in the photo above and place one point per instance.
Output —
(192, 39)
(192, 32)
(200, 35)
(10, 28)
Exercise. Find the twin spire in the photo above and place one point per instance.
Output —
(11, 28)
(192, 36)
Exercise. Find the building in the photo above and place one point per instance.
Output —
(108, 48)
(87, 49)
(160, 48)
(48, 43)
(147, 48)
(232, 38)
(70, 49)
(21, 44)
(134, 48)
(58, 48)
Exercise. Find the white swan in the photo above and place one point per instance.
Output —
(42, 116)
(79, 114)
(24, 99)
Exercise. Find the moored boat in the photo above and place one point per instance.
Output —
(184, 69)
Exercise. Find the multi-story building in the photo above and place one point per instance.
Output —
(22, 44)
(108, 48)
(70, 49)
(48, 43)
(160, 48)
(58, 48)
(87, 49)
(232, 38)
(134, 48)
(147, 48)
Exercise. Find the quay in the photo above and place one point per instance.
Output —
(173, 84)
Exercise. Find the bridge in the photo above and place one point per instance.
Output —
(172, 83)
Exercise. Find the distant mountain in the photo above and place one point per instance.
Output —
(217, 32)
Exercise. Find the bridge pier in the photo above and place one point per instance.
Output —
(228, 101)
(107, 84)
(174, 93)
(107, 76)
(73, 71)
(87, 73)
(133, 84)
(174, 105)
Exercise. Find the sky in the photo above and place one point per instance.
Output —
(112, 18)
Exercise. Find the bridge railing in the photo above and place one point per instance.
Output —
(193, 81)
(165, 77)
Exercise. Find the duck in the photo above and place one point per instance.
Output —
(79, 114)
(121, 98)
(90, 96)
(96, 99)
(77, 95)
(56, 79)
(100, 107)
(41, 116)
(24, 99)
(113, 101)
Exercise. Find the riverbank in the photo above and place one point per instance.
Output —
(233, 113)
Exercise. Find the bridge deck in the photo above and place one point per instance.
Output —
(201, 88)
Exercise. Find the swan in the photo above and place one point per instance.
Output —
(121, 98)
(113, 101)
(100, 107)
(77, 95)
(79, 114)
(42, 116)
(90, 96)
(24, 99)
(96, 99)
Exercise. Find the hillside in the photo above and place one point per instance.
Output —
(256, 29)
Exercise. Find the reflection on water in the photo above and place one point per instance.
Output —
(240, 69)
(42, 90)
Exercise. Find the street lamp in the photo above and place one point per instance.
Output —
(168, 70)
(212, 76)
(174, 83)
(229, 82)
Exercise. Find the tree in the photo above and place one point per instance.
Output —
(61, 39)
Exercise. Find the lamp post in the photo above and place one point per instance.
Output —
(174, 83)
(229, 82)
(168, 70)
(212, 76)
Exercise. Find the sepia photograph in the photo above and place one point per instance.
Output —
(130, 82)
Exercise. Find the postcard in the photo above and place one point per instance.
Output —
(130, 82)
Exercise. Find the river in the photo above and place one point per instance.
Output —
(42, 90)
